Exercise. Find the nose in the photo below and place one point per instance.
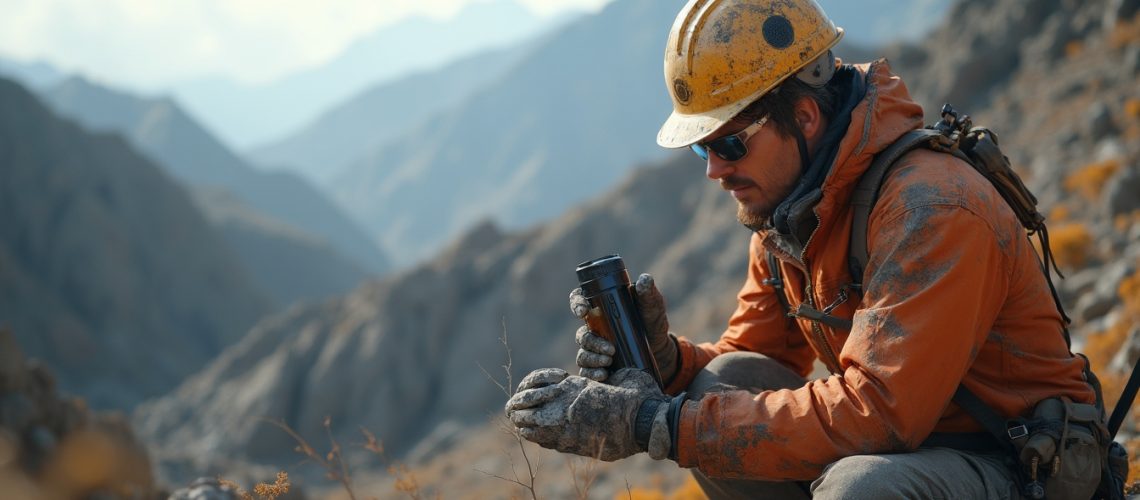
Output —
(717, 168)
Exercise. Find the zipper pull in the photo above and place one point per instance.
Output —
(812, 314)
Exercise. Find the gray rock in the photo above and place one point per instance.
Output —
(42, 379)
(1098, 121)
(1122, 194)
(1094, 305)
(11, 362)
(205, 488)
(1103, 297)
(16, 412)
(41, 443)
(1110, 148)
(1131, 62)
(1077, 284)
(1126, 359)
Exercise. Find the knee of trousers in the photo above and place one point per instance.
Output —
(743, 370)
(864, 477)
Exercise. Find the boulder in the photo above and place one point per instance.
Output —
(1098, 121)
(1122, 193)
(1103, 297)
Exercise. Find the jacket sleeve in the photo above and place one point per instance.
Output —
(937, 278)
(759, 324)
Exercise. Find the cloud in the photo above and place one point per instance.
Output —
(149, 43)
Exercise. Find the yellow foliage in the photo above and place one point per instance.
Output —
(1132, 108)
(271, 491)
(1125, 32)
(1100, 347)
(642, 494)
(264, 491)
(1124, 222)
(690, 490)
(1090, 179)
(1074, 48)
(1071, 244)
(1060, 212)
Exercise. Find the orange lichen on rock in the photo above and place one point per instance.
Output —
(1089, 180)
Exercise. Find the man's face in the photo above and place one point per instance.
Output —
(762, 178)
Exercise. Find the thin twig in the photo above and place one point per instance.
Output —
(326, 462)
(335, 453)
(508, 390)
(588, 473)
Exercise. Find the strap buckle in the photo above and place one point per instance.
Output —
(1017, 432)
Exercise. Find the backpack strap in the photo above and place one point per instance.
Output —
(776, 280)
(867, 193)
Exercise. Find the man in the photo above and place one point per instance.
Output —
(953, 293)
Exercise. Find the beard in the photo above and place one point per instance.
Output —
(754, 218)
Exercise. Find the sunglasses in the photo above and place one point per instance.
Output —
(730, 147)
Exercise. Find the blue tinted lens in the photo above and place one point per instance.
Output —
(729, 148)
(700, 150)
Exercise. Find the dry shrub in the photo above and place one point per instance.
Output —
(1089, 180)
(264, 491)
(1071, 244)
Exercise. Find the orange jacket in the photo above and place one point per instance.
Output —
(953, 293)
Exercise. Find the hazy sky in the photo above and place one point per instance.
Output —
(153, 42)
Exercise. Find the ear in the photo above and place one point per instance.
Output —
(810, 119)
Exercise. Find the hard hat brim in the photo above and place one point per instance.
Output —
(681, 130)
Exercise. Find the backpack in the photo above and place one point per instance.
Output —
(955, 134)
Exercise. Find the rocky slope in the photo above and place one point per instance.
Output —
(290, 265)
(399, 356)
(381, 114)
(107, 271)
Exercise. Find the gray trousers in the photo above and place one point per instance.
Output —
(927, 473)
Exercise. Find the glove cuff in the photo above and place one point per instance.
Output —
(643, 423)
(673, 420)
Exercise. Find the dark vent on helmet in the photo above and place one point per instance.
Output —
(778, 32)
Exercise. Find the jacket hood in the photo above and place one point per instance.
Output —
(886, 113)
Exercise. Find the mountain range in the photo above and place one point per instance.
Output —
(382, 114)
(337, 254)
(253, 115)
(108, 273)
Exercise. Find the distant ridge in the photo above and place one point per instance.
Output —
(108, 273)
(161, 129)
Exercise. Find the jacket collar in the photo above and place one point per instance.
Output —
(886, 113)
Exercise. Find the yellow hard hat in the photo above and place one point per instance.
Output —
(722, 55)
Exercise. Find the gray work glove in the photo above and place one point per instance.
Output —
(573, 414)
(595, 354)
